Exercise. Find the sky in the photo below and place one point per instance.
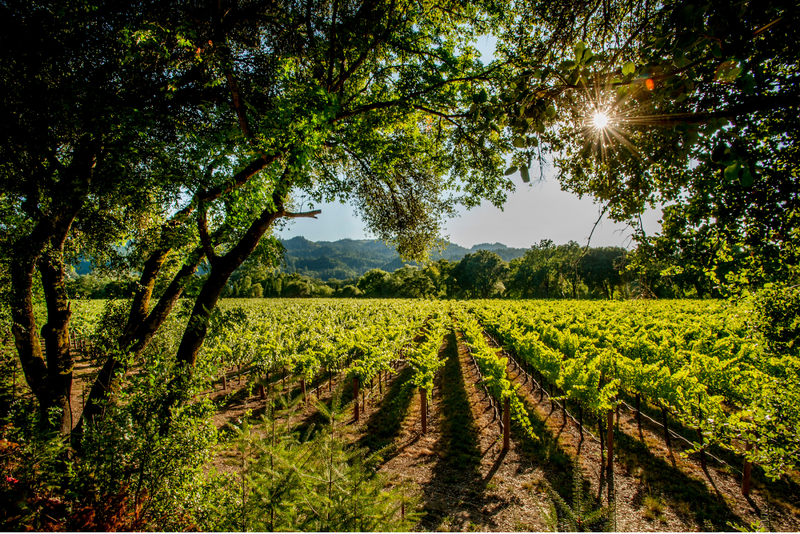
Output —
(530, 214)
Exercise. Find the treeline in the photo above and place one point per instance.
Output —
(545, 271)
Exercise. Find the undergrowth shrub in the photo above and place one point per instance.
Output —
(317, 481)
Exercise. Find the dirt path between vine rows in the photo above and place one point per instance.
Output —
(464, 480)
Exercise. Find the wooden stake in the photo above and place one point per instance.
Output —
(355, 398)
(747, 470)
(506, 424)
(702, 448)
(602, 442)
(666, 428)
(610, 443)
(638, 414)
(423, 398)
(303, 388)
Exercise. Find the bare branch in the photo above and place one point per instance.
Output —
(308, 214)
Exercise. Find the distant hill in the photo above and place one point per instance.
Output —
(349, 258)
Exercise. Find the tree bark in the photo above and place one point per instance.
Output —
(24, 326)
(60, 363)
(50, 381)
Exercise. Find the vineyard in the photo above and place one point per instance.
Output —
(493, 415)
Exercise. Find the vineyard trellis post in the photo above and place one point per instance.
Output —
(355, 399)
(639, 416)
(507, 424)
(423, 399)
(666, 429)
(747, 470)
(610, 444)
(602, 441)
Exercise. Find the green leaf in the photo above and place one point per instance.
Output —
(732, 172)
(579, 48)
(728, 72)
(550, 111)
(526, 177)
(511, 170)
(519, 142)
(746, 179)
(628, 68)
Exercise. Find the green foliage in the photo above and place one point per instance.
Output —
(493, 369)
(129, 476)
(776, 308)
(584, 515)
(424, 357)
(481, 275)
(282, 481)
(701, 99)
(694, 359)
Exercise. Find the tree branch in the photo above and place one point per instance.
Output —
(308, 214)
(208, 246)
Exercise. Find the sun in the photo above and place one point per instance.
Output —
(601, 120)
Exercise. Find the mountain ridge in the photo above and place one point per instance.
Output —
(350, 258)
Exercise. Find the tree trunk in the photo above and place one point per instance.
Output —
(60, 363)
(138, 336)
(221, 270)
(24, 326)
(50, 382)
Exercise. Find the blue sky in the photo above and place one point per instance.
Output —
(531, 213)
